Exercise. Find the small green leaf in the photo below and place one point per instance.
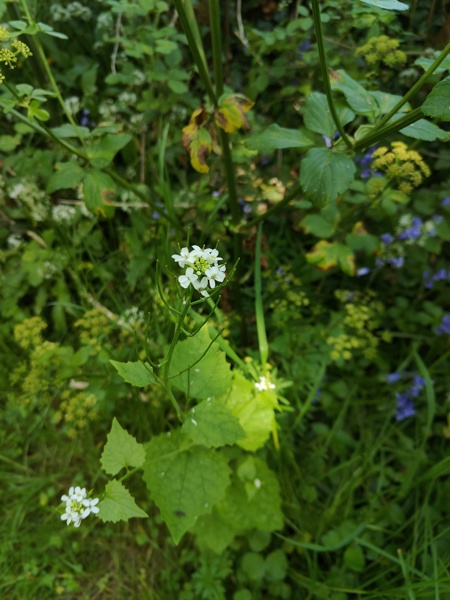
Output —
(69, 131)
(387, 4)
(276, 565)
(103, 151)
(317, 115)
(437, 103)
(426, 61)
(277, 138)
(358, 98)
(178, 87)
(121, 450)
(199, 368)
(35, 112)
(324, 175)
(253, 566)
(118, 504)
(137, 373)
(212, 424)
(185, 481)
(354, 558)
(67, 176)
(99, 190)
(318, 226)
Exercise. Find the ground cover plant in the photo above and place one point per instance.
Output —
(225, 323)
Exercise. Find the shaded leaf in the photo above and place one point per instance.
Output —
(437, 103)
(318, 226)
(387, 4)
(276, 137)
(317, 115)
(103, 151)
(358, 98)
(68, 175)
(99, 190)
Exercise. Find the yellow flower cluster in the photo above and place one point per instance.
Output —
(28, 334)
(362, 315)
(76, 410)
(384, 50)
(9, 55)
(93, 326)
(406, 167)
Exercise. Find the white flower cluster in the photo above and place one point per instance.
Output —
(78, 507)
(202, 268)
(264, 384)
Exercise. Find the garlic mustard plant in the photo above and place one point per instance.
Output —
(78, 506)
(202, 266)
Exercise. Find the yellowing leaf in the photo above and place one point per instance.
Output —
(327, 255)
(230, 116)
(197, 140)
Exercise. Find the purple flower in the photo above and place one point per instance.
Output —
(393, 377)
(427, 279)
(414, 232)
(303, 48)
(405, 406)
(362, 271)
(444, 327)
(446, 201)
(397, 262)
(416, 386)
(386, 238)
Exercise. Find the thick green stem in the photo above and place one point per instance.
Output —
(324, 70)
(216, 36)
(416, 87)
(190, 28)
(259, 308)
(380, 134)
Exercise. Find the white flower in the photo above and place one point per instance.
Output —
(188, 278)
(78, 506)
(90, 504)
(215, 274)
(264, 384)
(182, 258)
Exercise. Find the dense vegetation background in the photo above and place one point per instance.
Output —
(308, 143)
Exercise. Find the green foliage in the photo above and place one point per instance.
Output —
(290, 394)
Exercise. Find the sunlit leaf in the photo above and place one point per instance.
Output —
(230, 116)
(118, 504)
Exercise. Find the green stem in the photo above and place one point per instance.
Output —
(380, 134)
(324, 70)
(176, 335)
(216, 37)
(185, 13)
(259, 309)
(416, 87)
(49, 73)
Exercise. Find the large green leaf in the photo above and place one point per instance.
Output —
(121, 450)
(255, 411)
(102, 151)
(318, 226)
(68, 175)
(358, 98)
(277, 138)
(185, 481)
(137, 373)
(437, 103)
(212, 424)
(325, 174)
(199, 368)
(118, 504)
(317, 115)
(99, 190)
(387, 4)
